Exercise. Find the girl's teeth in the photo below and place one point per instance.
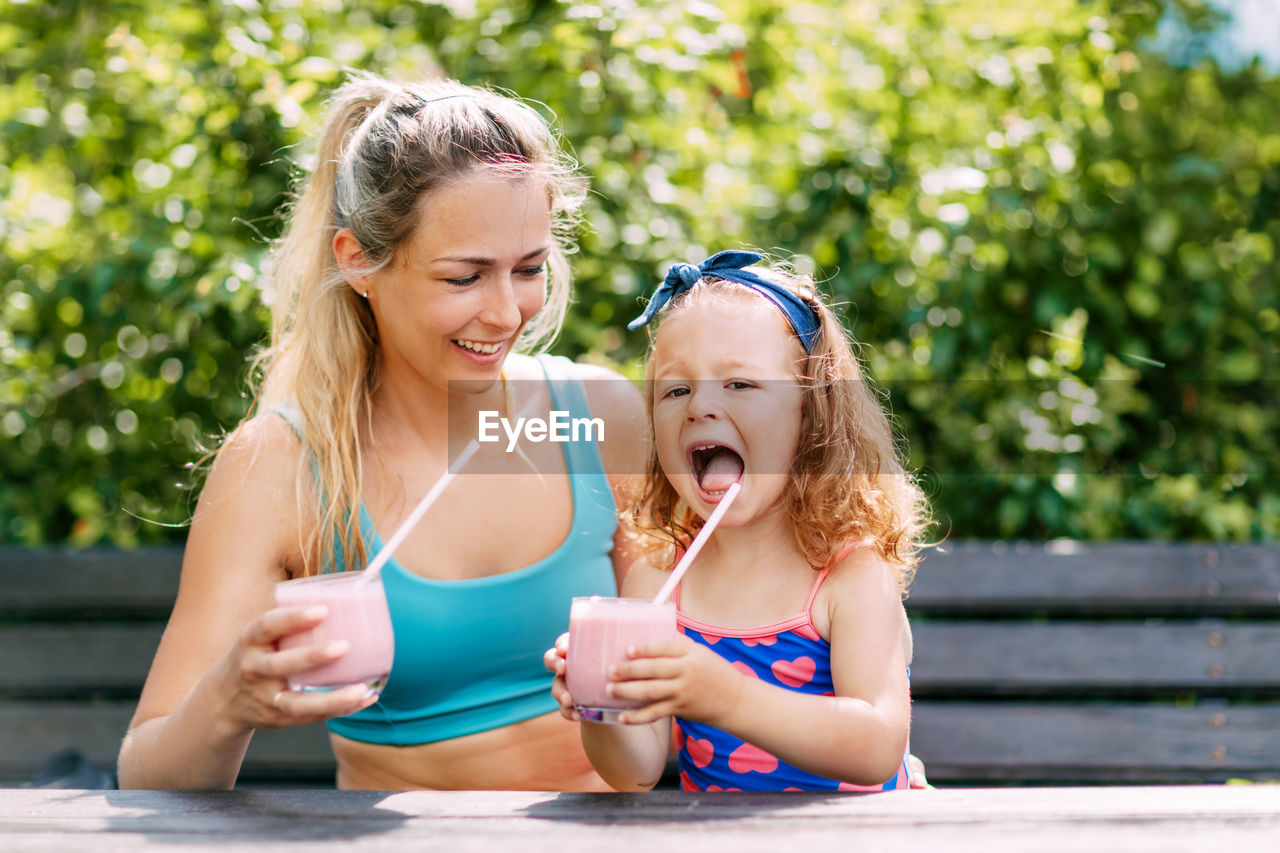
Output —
(477, 347)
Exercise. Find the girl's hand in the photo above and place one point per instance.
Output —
(916, 779)
(259, 696)
(555, 659)
(677, 677)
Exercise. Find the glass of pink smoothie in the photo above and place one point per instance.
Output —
(600, 632)
(358, 614)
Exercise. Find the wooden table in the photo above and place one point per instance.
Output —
(1192, 818)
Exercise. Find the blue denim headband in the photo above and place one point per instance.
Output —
(729, 266)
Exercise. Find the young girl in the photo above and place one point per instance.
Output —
(791, 671)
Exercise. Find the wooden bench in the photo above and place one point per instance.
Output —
(77, 634)
(1044, 664)
(1074, 664)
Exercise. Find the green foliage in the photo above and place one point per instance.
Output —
(1059, 250)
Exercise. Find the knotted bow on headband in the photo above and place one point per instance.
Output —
(729, 266)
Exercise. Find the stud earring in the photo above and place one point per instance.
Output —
(365, 294)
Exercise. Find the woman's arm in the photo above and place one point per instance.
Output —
(859, 735)
(217, 676)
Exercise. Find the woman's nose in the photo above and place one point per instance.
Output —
(501, 310)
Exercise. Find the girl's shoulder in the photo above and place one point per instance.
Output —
(861, 569)
(860, 585)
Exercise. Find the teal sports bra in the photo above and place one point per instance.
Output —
(468, 653)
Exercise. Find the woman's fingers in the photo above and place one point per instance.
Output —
(293, 707)
(282, 621)
(292, 661)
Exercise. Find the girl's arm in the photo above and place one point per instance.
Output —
(858, 736)
(216, 676)
(627, 757)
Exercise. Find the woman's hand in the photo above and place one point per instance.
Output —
(676, 677)
(259, 695)
(555, 659)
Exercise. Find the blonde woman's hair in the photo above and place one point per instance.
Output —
(847, 483)
(382, 147)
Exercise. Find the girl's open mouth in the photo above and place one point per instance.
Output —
(715, 467)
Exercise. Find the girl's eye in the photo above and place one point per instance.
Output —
(533, 272)
(462, 282)
(675, 391)
(739, 385)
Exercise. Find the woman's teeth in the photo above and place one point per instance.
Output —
(478, 347)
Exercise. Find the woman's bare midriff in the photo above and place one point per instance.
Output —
(540, 754)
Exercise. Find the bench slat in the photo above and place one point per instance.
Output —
(989, 742)
(71, 584)
(952, 659)
(1094, 580)
(31, 732)
(54, 659)
(1091, 659)
(971, 742)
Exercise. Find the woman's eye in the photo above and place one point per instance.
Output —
(462, 282)
(533, 272)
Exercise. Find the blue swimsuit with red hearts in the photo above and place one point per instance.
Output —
(789, 654)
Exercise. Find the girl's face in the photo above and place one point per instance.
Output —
(452, 302)
(726, 404)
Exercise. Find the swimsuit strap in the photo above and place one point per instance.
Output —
(822, 575)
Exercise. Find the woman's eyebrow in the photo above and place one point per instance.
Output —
(488, 262)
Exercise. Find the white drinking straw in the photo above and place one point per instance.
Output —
(389, 547)
(397, 538)
(698, 541)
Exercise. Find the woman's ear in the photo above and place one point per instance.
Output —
(350, 258)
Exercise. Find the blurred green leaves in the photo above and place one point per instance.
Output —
(1059, 249)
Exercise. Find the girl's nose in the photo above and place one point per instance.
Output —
(704, 404)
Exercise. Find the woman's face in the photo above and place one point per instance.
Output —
(451, 304)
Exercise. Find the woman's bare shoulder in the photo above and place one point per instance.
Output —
(262, 449)
(643, 580)
(614, 399)
(252, 490)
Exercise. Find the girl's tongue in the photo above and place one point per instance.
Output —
(722, 470)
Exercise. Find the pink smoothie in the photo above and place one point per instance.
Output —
(358, 614)
(600, 631)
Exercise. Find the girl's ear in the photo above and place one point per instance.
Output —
(350, 258)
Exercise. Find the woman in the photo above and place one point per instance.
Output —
(427, 250)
